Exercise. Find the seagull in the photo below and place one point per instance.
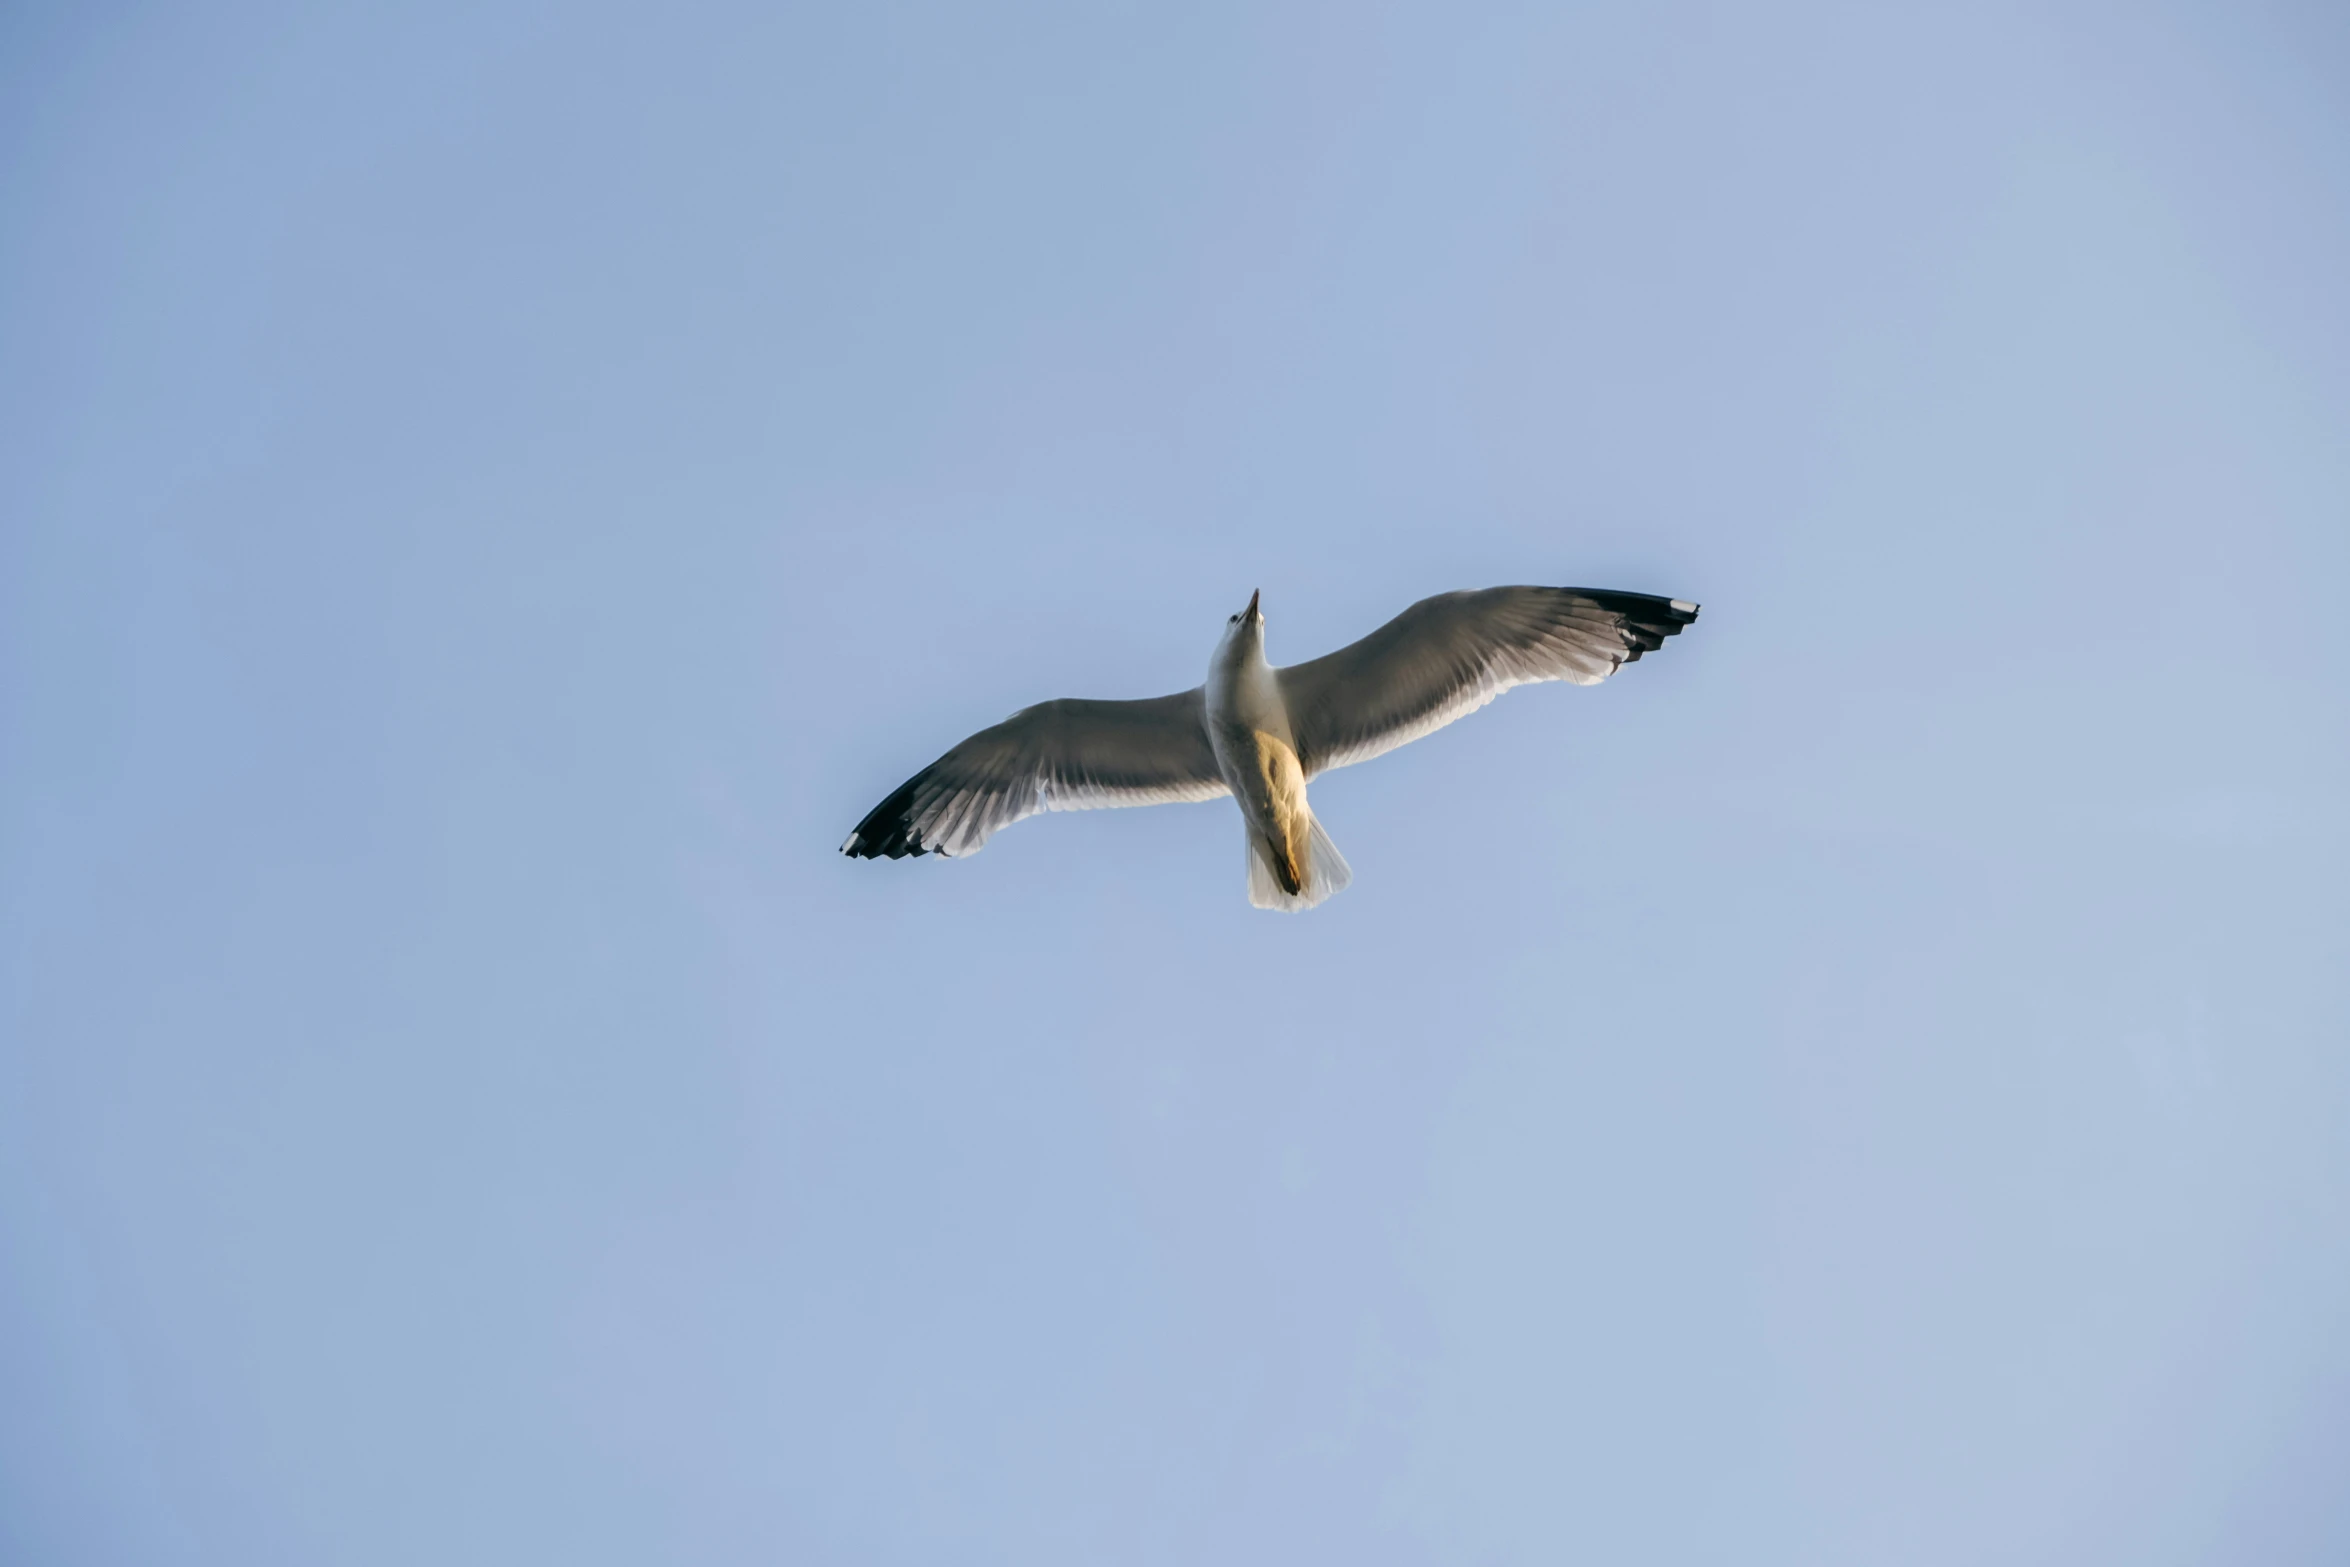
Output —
(1260, 734)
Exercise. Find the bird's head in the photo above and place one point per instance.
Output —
(1250, 622)
(1244, 637)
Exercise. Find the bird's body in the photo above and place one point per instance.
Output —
(1260, 733)
(1256, 755)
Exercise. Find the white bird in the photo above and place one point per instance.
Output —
(1260, 734)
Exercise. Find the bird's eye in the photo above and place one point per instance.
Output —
(1234, 621)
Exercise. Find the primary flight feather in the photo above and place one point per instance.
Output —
(1260, 734)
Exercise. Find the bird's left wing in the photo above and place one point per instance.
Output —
(1449, 655)
(1070, 755)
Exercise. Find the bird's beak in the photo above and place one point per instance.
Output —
(1252, 603)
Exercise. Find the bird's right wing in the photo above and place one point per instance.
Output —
(1070, 755)
(1447, 656)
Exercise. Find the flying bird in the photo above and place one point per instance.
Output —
(1260, 734)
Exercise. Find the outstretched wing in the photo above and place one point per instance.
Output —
(1450, 655)
(1070, 755)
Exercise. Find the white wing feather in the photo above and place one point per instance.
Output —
(1070, 755)
(1447, 656)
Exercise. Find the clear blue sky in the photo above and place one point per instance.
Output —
(489, 494)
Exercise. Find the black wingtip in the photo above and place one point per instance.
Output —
(1646, 619)
(887, 832)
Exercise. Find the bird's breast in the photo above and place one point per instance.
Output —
(1249, 728)
(1244, 697)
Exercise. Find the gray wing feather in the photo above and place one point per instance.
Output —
(1449, 655)
(1070, 755)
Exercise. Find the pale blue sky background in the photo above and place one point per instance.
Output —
(489, 494)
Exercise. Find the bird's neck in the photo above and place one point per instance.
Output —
(1240, 682)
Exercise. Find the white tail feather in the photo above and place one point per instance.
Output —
(1325, 872)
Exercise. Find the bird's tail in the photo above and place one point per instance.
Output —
(1324, 872)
